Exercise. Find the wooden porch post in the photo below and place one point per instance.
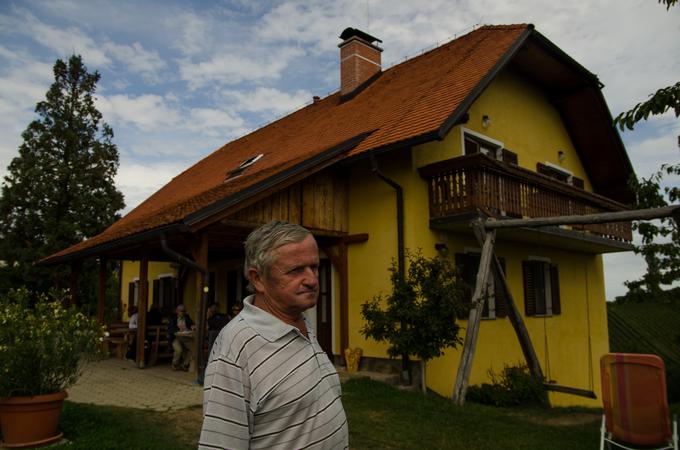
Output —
(101, 303)
(142, 303)
(199, 251)
(478, 299)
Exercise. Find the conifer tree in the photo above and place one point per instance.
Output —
(60, 189)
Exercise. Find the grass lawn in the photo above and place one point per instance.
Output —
(380, 417)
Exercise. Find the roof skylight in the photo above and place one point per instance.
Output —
(243, 166)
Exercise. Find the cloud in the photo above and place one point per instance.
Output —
(234, 68)
(653, 142)
(64, 41)
(215, 122)
(270, 100)
(137, 59)
(138, 181)
(194, 33)
(147, 112)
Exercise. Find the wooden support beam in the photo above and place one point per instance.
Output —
(513, 313)
(478, 298)
(142, 306)
(199, 250)
(585, 219)
(101, 297)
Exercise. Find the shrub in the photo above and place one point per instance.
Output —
(514, 386)
(42, 343)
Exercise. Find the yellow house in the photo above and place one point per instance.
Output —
(497, 123)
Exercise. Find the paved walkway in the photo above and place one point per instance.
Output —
(119, 382)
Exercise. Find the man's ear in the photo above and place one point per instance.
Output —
(256, 280)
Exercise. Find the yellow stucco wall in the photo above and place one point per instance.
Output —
(568, 345)
(522, 119)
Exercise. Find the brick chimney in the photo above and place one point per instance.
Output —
(359, 59)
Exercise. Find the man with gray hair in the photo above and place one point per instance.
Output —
(268, 383)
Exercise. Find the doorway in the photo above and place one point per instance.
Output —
(324, 316)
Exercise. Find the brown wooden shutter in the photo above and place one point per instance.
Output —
(131, 296)
(509, 157)
(156, 292)
(529, 276)
(501, 299)
(471, 146)
(555, 290)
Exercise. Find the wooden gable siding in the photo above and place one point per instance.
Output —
(318, 202)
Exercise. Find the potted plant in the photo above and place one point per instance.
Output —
(43, 346)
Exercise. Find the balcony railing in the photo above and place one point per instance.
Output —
(477, 182)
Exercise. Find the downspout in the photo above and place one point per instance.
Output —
(204, 298)
(405, 372)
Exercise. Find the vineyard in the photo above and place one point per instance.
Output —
(645, 328)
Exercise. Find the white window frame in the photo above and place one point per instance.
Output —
(479, 136)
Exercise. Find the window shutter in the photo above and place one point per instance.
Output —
(529, 275)
(471, 147)
(555, 290)
(131, 296)
(156, 291)
(501, 299)
(509, 157)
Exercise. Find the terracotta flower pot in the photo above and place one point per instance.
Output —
(31, 421)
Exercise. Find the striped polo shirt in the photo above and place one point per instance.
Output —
(267, 386)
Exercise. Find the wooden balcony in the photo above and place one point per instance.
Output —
(477, 184)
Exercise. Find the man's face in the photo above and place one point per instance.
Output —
(292, 285)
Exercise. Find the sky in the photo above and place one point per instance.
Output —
(181, 78)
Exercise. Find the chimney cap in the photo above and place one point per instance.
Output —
(350, 32)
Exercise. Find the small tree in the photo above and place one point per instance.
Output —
(426, 301)
(60, 189)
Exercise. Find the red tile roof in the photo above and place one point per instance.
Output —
(408, 101)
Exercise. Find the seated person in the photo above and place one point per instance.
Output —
(131, 352)
(180, 322)
(216, 321)
(154, 316)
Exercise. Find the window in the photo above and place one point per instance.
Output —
(133, 294)
(496, 305)
(165, 293)
(559, 174)
(476, 143)
(243, 166)
(553, 172)
(541, 288)
(577, 182)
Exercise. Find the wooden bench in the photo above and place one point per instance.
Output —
(118, 337)
(160, 346)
